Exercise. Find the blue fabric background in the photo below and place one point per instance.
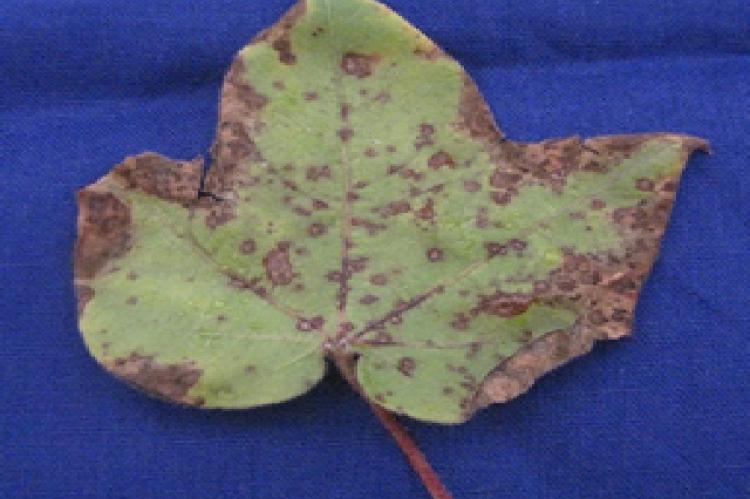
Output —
(662, 415)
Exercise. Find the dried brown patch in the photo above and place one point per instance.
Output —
(103, 231)
(174, 181)
(167, 381)
(474, 116)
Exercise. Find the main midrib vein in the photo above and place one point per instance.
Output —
(346, 210)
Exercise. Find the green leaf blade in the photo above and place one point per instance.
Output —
(364, 205)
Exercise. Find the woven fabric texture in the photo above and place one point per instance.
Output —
(662, 415)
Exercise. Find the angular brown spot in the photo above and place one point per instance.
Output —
(174, 181)
(84, 294)
(359, 65)
(319, 205)
(644, 184)
(501, 198)
(472, 186)
(311, 96)
(504, 180)
(317, 229)
(503, 304)
(379, 279)
(368, 299)
(382, 97)
(278, 266)
(132, 300)
(434, 254)
(395, 208)
(440, 159)
(474, 116)
(406, 366)
(344, 112)
(427, 212)
(345, 134)
(598, 204)
(315, 173)
(311, 324)
(247, 247)
(517, 244)
(284, 47)
(426, 132)
(495, 249)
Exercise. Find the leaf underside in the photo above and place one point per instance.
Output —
(364, 205)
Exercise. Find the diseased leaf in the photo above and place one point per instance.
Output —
(365, 208)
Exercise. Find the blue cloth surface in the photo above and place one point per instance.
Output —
(664, 414)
